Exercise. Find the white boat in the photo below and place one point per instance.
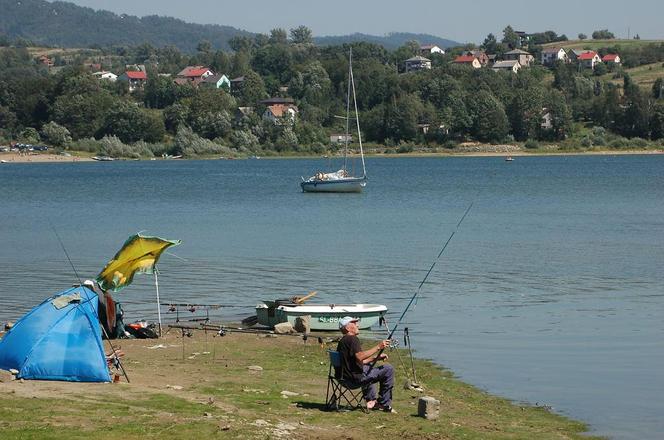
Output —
(341, 180)
(323, 316)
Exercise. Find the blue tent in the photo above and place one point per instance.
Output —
(60, 339)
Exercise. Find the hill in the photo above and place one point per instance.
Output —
(390, 41)
(59, 24)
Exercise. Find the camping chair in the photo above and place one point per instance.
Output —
(340, 391)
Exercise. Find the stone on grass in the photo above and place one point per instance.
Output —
(255, 368)
(283, 328)
(429, 408)
(286, 394)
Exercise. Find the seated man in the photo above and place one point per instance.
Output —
(357, 366)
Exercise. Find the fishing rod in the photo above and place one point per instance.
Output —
(116, 360)
(419, 288)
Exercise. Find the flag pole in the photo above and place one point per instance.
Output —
(156, 285)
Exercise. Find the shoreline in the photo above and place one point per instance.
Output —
(258, 386)
(8, 158)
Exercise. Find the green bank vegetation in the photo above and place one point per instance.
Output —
(211, 393)
(430, 110)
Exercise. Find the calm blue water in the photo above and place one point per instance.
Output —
(551, 292)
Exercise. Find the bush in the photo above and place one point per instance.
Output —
(618, 143)
(405, 148)
(244, 141)
(187, 143)
(586, 142)
(56, 134)
(531, 144)
(638, 142)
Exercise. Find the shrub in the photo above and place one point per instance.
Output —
(638, 142)
(56, 134)
(586, 142)
(188, 143)
(531, 144)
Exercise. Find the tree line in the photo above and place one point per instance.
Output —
(436, 108)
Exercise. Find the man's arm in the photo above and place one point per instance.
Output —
(366, 356)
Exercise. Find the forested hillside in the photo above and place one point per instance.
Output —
(68, 25)
(430, 109)
(59, 24)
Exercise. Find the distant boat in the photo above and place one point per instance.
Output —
(103, 158)
(508, 159)
(341, 180)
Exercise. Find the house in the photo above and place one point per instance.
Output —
(46, 61)
(524, 58)
(193, 74)
(281, 114)
(236, 84)
(216, 82)
(547, 119)
(574, 54)
(417, 63)
(589, 59)
(611, 58)
(280, 111)
(469, 60)
(508, 65)
(336, 138)
(552, 54)
(481, 56)
(135, 79)
(429, 49)
(524, 38)
(108, 76)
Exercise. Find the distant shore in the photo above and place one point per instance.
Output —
(479, 151)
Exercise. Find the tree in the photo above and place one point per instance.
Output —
(278, 36)
(56, 134)
(658, 89)
(204, 46)
(490, 123)
(583, 36)
(130, 123)
(29, 136)
(490, 44)
(510, 37)
(603, 34)
(657, 121)
(253, 89)
(561, 117)
(301, 35)
(525, 113)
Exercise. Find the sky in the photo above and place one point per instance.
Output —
(459, 21)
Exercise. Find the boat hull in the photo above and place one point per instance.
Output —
(348, 185)
(324, 317)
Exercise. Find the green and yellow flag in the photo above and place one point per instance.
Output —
(138, 254)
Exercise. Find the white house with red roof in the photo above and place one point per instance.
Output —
(589, 59)
(193, 74)
(135, 79)
(280, 111)
(468, 60)
(611, 58)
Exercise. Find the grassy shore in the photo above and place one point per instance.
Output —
(203, 389)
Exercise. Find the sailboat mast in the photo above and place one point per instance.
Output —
(350, 62)
(357, 120)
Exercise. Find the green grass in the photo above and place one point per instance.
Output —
(226, 400)
(597, 44)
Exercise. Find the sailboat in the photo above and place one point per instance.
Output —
(341, 180)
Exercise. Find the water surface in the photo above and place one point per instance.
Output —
(551, 292)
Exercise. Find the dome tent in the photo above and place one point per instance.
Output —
(60, 339)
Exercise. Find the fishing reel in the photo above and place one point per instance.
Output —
(394, 343)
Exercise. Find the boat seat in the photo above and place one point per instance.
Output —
(341, 393)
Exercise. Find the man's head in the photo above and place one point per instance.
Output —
(348, 325)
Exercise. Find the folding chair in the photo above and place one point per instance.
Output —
(340, 391)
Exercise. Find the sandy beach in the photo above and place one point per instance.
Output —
(39, 158)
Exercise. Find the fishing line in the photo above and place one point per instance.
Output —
(62, 245)
(419, 288)
(116, 358)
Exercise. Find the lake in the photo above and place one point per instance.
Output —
(551, 292)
